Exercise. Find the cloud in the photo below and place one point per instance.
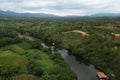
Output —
(62, 7)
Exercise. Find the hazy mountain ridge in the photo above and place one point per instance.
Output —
(106, 14)
(14, 14)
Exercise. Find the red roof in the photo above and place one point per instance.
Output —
(101, 75)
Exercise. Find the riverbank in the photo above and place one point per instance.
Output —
(80, 69)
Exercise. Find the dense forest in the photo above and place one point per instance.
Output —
(94, 40)
(24, 59)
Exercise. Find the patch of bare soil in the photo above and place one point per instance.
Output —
(77, 31)
(116, 35)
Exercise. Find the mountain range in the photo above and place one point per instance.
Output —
(14, 14)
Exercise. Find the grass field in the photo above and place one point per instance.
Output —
(25, 77)
(14, 48)
(22, 77)
(9, 58)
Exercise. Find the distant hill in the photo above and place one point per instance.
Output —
(97, 15)
(106, 15)
(14, 14)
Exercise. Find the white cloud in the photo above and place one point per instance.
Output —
(62, 7)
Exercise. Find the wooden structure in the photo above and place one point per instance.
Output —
(102, 76)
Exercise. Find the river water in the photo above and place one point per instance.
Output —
(82, 71)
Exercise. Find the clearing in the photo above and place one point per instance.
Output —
(77, 31)
(116, 35)
(9, 58)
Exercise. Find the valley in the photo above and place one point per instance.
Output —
(85, 46)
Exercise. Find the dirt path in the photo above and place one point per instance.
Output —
(77, 31)
(116, 35)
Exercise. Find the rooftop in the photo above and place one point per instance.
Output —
(101, 75)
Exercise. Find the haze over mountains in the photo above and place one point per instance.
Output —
(14, 14)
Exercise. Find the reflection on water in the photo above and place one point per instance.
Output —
(83, 72)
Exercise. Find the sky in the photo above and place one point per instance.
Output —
(62, 7)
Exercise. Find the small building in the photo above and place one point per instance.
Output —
(102, 76)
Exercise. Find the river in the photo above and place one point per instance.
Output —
(82, 71)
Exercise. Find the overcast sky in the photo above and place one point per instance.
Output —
(62, 7)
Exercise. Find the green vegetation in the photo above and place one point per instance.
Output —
(12, 57)
(100, 47)
(23, 58)
(11, 63)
